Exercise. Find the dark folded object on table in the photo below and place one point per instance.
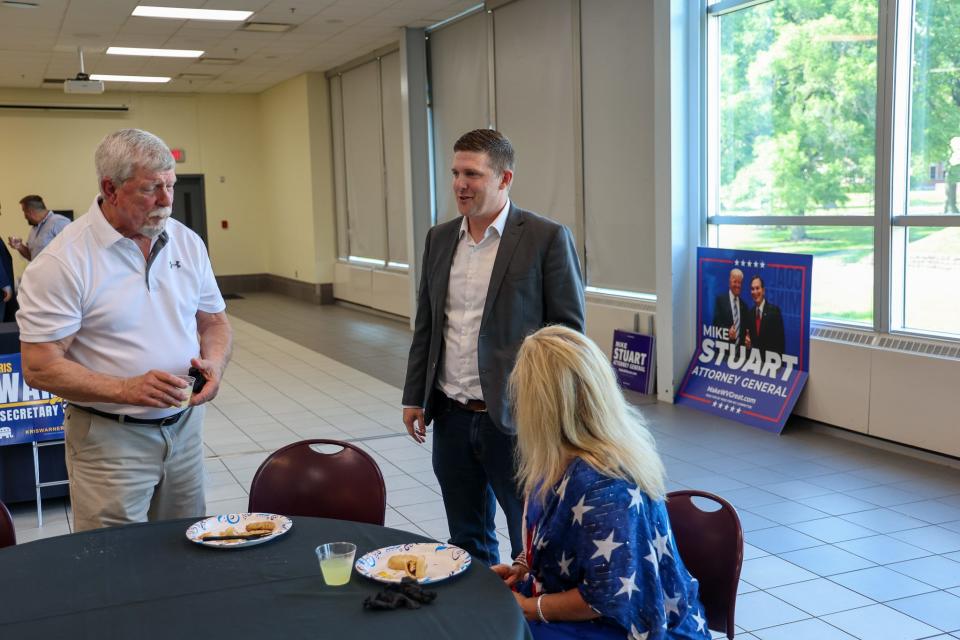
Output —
(407, 594)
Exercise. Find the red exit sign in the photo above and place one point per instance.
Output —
(179, 155)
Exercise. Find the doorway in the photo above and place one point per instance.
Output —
(189, 204)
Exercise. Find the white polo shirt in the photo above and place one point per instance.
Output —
(93, 283)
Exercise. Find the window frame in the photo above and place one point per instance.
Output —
(890, 220)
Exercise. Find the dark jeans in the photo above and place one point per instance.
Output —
(474, 462)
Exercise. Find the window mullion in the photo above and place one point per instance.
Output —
(886, 198)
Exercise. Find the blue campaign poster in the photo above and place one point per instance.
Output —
(26, 414)
(753, 336)
(633, 360)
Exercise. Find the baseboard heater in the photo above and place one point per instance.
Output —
(64, 107)
(887, 342)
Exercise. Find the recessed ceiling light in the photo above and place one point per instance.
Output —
(18, 4)
(113, 78)
(159, 53)
(182, 13)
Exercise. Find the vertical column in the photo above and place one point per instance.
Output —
(678, 82)
(414, 91)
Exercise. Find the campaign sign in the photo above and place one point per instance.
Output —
(753, 336)
(633, 360)
(26, 414)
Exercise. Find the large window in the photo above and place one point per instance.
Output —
(811, 150)
(368, 162)
(926, 236)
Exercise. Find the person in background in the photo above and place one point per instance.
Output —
(8, 306)
(46, 225)
(764, 329)
(953, 175)
(599, 556)
(112, 313)
(489, 278)
(729, 309)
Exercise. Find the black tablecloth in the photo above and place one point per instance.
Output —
(148, 581)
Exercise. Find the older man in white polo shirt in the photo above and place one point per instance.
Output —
(115, 309)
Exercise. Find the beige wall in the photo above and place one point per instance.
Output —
(51, 153)
(295, 122)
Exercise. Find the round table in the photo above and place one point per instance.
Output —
(148, 581)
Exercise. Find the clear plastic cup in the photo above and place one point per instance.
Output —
(336, 562)
(189, 380)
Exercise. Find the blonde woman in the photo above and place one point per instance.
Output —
(599, 560)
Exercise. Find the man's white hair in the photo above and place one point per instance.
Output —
(120, 154)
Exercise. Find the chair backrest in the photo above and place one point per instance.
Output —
(300, 480)
(711, 547)
(8, 536)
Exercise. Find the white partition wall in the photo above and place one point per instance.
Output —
(459, 95)
(534, 63)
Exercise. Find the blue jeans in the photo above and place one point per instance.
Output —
(474, 463)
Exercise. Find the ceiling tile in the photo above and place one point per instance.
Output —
(44, 41)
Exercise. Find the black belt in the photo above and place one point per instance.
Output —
(159, 422)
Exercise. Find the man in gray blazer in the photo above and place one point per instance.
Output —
(489, 279)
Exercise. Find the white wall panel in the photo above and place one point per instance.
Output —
(838, 389)
(353, 283)
(914, 400)
(389, 290)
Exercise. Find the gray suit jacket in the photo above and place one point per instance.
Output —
(535, 281)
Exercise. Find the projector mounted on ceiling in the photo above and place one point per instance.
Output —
(82, 83)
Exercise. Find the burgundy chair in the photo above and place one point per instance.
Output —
(302, 480)
(711, 547)
(8, 536)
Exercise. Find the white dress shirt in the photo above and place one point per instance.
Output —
(466, 296)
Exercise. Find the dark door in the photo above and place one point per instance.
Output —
(189, 203)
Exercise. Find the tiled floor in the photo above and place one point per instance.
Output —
(843, 540)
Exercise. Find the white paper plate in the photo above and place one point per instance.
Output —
(443, 561)
(235, 523)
